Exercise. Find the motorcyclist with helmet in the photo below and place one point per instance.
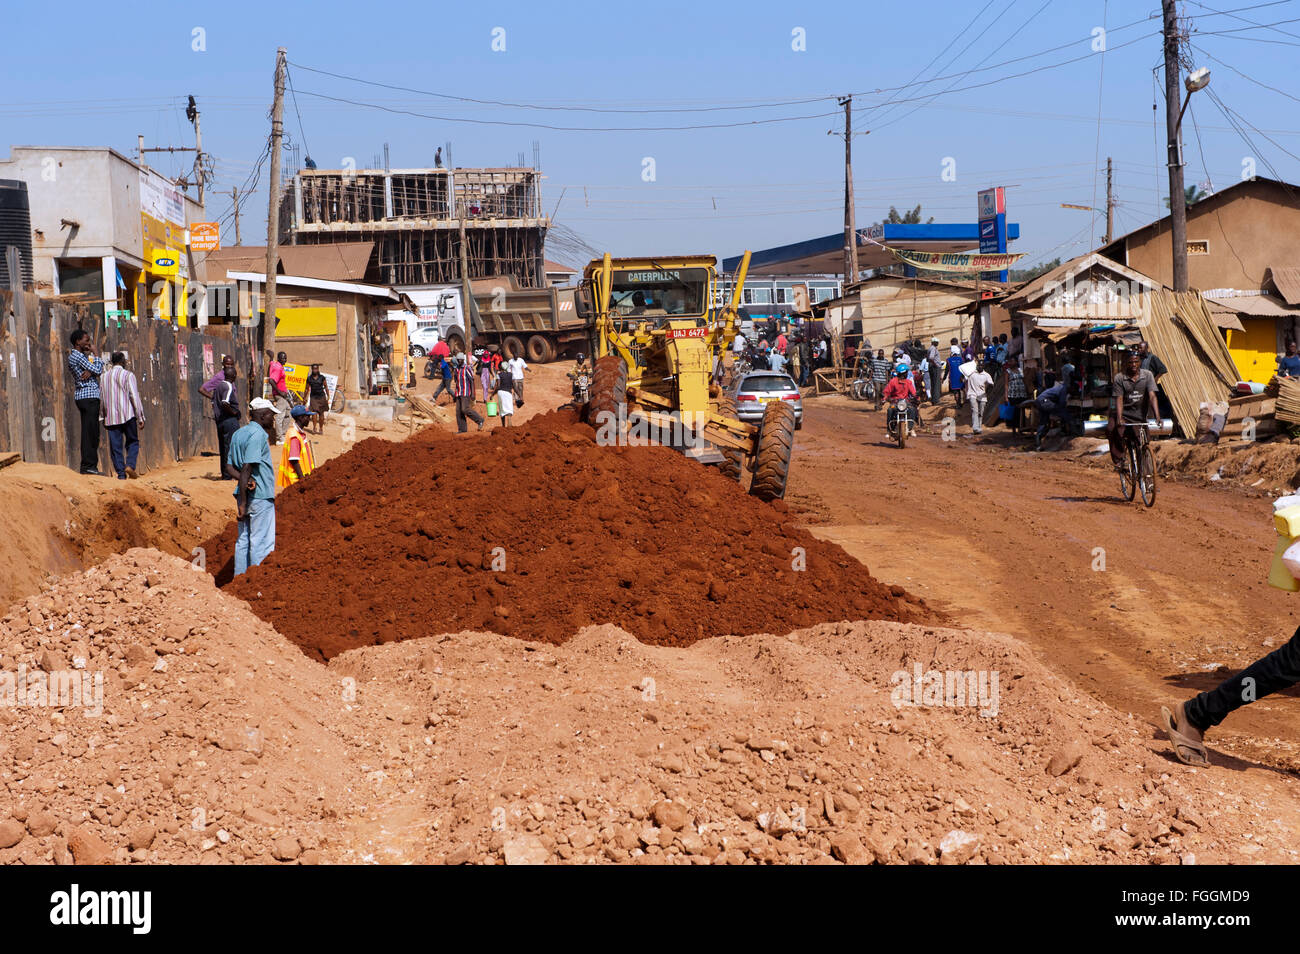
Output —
(582, 367)
(901, 386)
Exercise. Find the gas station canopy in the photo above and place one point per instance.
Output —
(825, 256)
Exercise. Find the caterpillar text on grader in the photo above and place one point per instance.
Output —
(659, 348)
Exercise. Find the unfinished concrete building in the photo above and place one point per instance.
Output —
(414, 217)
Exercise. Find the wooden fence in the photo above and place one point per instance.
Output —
(38, 415)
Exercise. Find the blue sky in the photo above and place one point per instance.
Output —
(111, 71)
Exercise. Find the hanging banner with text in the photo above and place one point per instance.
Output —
(957, 261)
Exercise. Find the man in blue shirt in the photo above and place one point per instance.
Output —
(955, 380)
(1289, 367)
(86, 369)
(249, 463)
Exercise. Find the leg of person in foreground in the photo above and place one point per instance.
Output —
(1187, 723)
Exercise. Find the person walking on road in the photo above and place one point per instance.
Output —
(444, 382)
(318, 397)
(505, 395)
(463, 391)
(123, 415)
(86, 369)
(954, 374)
(249, 464)
(1016, 392)
(977, 386)
(1187, 723)
(518, 366)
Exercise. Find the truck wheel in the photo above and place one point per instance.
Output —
(608, 390)
(733, 461)
(775, 448)
(512, 347)
(455, 340)
(539, 350)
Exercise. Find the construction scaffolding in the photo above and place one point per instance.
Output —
(414, 218)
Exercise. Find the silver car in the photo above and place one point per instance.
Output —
(754, 390)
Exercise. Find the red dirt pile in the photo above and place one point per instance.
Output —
(536, 532)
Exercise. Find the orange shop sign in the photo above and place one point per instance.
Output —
(205, 236)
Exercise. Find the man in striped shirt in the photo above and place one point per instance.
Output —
(463, 388)
(86, 369)
(123, 415)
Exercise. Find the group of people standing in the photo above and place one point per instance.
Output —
(501, 380)
(109, 395)
(244, 452)
(792, 352)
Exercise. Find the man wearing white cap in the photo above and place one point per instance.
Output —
(249, 463)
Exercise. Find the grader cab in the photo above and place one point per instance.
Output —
(658, 370)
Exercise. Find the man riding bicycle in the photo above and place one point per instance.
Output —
(1135, 395)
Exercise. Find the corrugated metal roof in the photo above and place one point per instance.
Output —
(334, 261)
(337, 262)
(1286, 278)
(1257, 306)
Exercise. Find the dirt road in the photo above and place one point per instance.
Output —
(1138, 606)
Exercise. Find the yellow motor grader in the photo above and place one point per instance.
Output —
(659, 348)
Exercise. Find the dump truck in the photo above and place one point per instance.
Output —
(659, 347)
(540, 324)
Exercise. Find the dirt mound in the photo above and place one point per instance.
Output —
(535, 532)
(779, 749)
(159, 721)
(54, 521)
(219, 741)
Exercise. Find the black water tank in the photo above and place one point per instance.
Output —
(15, 227)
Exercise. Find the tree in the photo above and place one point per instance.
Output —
(1194, 194)
(907, 218)
(1029, 274)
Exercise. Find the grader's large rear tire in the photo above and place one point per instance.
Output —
(775, 448)
(608, 391)
(733, 461)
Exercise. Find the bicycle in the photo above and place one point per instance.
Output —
(1139, 470)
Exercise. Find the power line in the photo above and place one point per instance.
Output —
(531, 125)
(301, 131)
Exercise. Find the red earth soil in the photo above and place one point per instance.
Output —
(535, 532)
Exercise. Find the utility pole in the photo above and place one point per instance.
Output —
(1173, 117)
(850, 232)
(198, 157)
(469, 309)
(234, 196)
(273, 203)
(1110, 205)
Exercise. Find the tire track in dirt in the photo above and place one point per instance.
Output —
(1008, 541)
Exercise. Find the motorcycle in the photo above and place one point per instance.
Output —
(862, 389)
(582, 388)
(899, 421)
(431, 369)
